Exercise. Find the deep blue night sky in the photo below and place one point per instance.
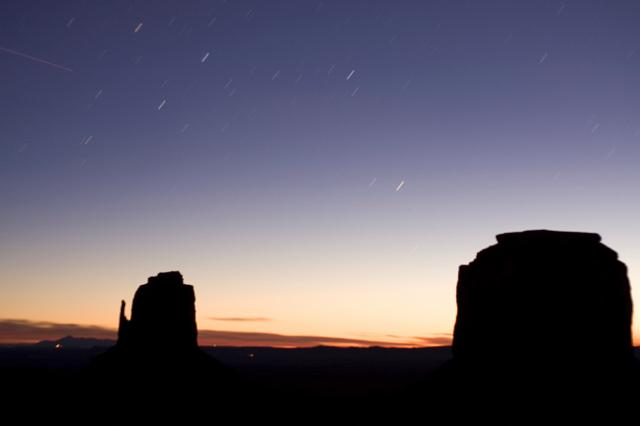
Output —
(326, 165)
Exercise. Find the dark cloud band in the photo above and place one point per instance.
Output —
(241, 319)
(26, 331)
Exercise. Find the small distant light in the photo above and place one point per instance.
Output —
(58, 346)
(251, 355)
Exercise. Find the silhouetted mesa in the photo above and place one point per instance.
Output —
(544, 304)
(163, 313)
(162, 331)
(156, 372)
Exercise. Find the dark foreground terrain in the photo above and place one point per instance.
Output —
(320, 370)
(48, 384)
(45, 384)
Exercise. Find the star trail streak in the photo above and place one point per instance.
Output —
(35, 59)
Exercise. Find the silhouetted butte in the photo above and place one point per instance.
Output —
(162, 331)
(555, 302)
(543, 329)
(157, 359)
(163, 313)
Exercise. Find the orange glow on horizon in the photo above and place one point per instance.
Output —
(34, 332)
(30, 332)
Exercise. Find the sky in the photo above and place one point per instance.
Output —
(318, 170)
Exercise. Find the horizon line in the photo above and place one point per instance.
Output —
(21, 331)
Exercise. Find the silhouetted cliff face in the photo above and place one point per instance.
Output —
(162, 332)
(543, 303)
(156, 373)
(542, 335)
(163, 314)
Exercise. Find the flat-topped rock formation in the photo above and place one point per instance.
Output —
(156, 372)
(163, 314)
(542, 334)
(162, 332)
(556, 302)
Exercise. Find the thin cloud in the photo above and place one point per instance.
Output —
(435, 340)
(241, 319)
(243, 338)
(26, 331)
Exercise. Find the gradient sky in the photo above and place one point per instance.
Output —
(313, 168)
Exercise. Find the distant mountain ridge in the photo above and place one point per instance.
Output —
(71, 342)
